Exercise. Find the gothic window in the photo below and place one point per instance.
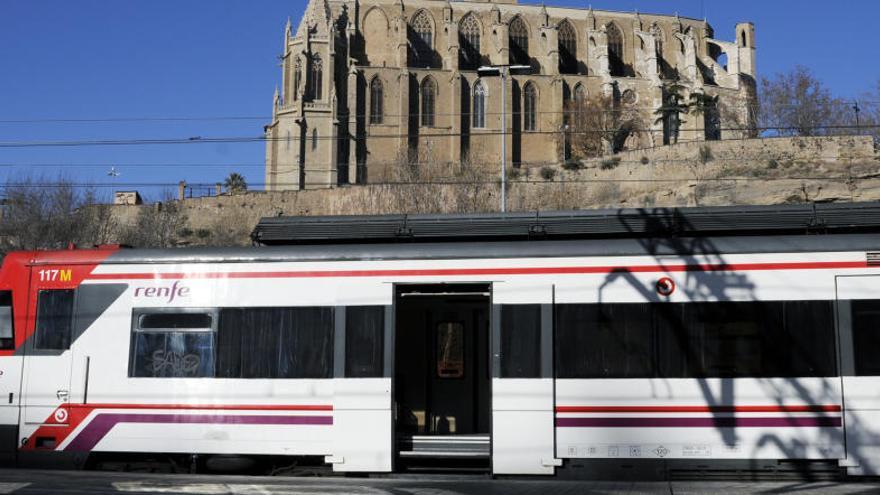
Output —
(615, 50)
(519, 42)
(297, 78)
(530, 108)
(422, 39)
(469, 39)
(377, 101)
(712, 120)
(429, 97)
(580, 94)
(568, 63)
(580, 102)
(479, 108)
(317, 77)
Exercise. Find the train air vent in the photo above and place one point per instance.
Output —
(874, 258)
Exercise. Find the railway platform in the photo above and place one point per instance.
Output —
(31, 482)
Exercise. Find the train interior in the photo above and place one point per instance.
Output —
(442, 383)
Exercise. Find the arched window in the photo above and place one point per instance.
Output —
(422, 39)
(429, 97)
(469, 39)
(377, 101)
(568, 63)
(317, 77)
(744, 43)
(580, 105)
(297, 78)
(479, 108)
(519, 42)
(530, 108)
(580, 94)
(615, 50)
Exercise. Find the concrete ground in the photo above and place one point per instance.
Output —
(25, 482)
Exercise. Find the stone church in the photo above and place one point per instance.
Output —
(368, 85)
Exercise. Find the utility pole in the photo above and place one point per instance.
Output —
(502, 71)
(857, 110)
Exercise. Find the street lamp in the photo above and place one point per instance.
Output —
(503, 71)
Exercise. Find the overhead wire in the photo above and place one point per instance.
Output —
(426, 135)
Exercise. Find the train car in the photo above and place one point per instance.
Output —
(656, 340)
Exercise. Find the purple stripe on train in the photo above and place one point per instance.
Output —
(718, 422)
(103, 423)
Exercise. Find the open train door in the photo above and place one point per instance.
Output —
(523, 390)
(858, 318)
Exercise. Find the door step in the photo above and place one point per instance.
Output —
(444, 446)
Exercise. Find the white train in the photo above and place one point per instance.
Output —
(529, 356)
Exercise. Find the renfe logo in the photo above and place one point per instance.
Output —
(168, 293)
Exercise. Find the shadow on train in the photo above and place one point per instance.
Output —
(722, 284)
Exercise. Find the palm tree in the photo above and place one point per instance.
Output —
(704, 105)
(669, 114)
(235, 183)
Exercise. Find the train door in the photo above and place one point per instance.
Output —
(858, 311)
(523, 387)
(442, 375)
(10, 380)
(47, 361)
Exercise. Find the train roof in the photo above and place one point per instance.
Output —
(694, 222)
(655, 232)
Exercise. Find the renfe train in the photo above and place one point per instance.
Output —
(727, 345)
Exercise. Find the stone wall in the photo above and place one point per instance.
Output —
(824, 148)
(760, 171)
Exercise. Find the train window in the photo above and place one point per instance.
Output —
(7, 336)
(450, 350)
(604, 341)
(745, 339)
(696, 340)
(173, 345)
(54, 319)
(275, 343)
(521, 341)
(175, 321)
(866, 337)
(364, 340)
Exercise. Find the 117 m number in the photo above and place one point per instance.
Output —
(55, 275)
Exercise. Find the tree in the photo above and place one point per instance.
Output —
(796, 103)
(599, 124)
(707, 106)
(159, 225)
(235, 183)
(670, 112)
(40, 213)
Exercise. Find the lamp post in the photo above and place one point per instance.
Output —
(503, 71)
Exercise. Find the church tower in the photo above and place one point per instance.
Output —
(302, 143)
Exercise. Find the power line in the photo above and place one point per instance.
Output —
(426, 135)
(716, 157)
(134, 119)
(453, 182)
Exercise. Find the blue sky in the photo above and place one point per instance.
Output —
(63, 59)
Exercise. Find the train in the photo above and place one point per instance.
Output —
(527, 344)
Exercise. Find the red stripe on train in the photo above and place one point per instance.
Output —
(699, 409)
(434, 272)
